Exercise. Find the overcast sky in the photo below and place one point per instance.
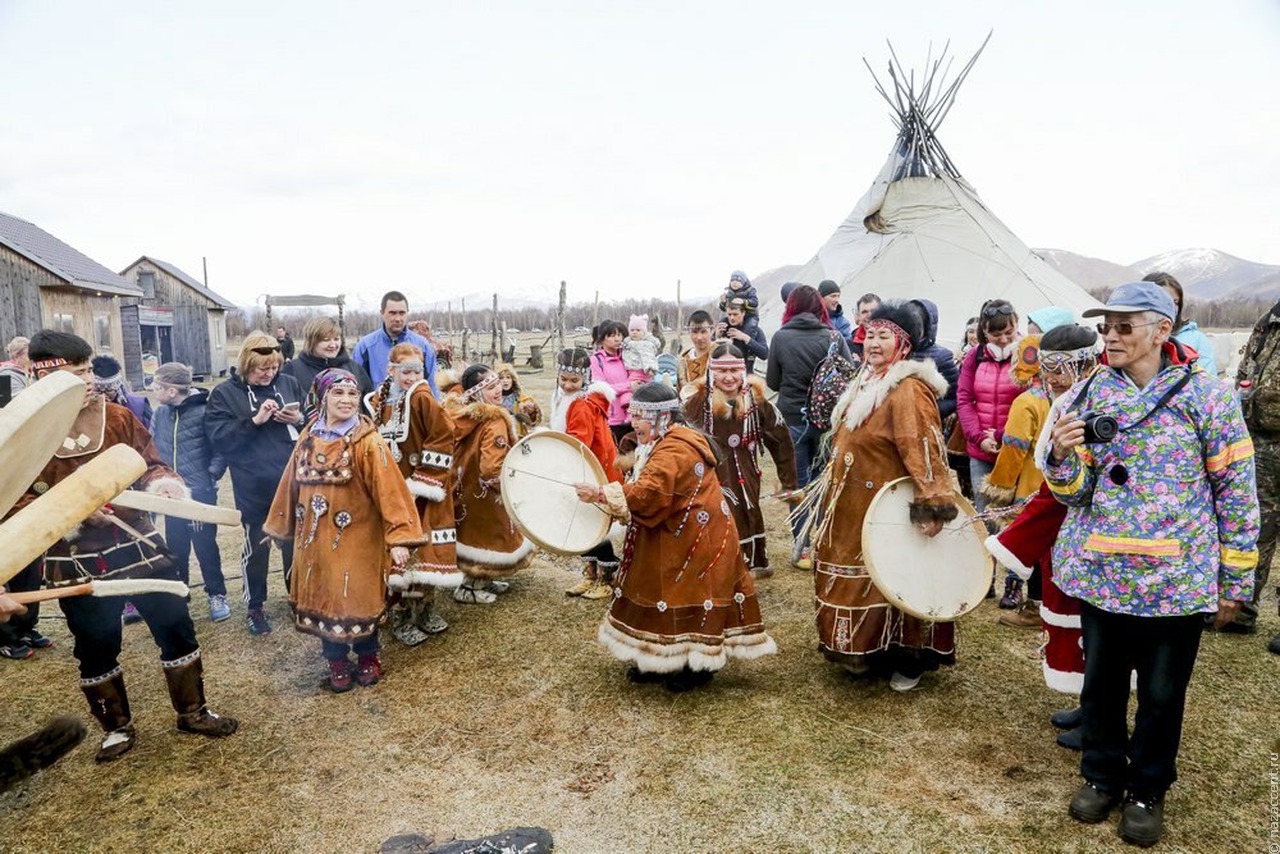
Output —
(448, 148)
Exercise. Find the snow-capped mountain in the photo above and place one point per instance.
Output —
(1213, 274)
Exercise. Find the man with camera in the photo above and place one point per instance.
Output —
(1155, 464)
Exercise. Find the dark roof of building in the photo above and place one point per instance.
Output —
(186, 279)
(72, 266)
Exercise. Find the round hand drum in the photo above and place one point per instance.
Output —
(538, 475)
(32, 427)
(934, 578)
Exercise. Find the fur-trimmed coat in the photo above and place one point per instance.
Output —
(686, 597)
(741, 425)
(489, 544)
(419, 434)
(886, 427)
(97, 427)
(693, 367)
(344, 504)
(585, 417)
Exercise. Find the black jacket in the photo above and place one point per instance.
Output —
(183, 444)
(306, 366)
(286, 346)
(941, 356)
(256, 454)
(794, 354)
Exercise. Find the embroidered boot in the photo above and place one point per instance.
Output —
(110, 705)
(369, 670)
(186, 692)
(403, 625)
(602, 588)
(588, 580)
(472, 592)
(425, 616)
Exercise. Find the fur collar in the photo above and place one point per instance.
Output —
(720, 400)
(865, 394)
(604, 389)
(478, 412)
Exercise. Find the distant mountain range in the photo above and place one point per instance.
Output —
(1204, 273)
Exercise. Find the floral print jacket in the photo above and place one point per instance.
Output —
(1163, 519)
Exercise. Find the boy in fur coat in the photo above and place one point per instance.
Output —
(730, 407)
(580, 408)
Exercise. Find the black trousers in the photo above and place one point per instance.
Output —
(605, 557)
(335, 651)
(95, 625)
(255, 557)
(30, 578)
(1163, 652)
(182, 535)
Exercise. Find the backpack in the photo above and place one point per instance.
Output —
(1261, 403)
(830, 379)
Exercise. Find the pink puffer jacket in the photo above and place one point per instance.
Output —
(983, 398)
(610, 369)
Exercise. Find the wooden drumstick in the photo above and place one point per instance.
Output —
(195, 511)
(121, 587)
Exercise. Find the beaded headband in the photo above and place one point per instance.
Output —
(1059, 357)
(727, 363)
(898, 331)
(410, 365)
(46, 364)
(566, 369)
(654, 407)
(474, 392)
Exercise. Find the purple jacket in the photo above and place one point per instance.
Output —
(610, 370)
(983, 397)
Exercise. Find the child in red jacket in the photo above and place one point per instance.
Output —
(580, 408)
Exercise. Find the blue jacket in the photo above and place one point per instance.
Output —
(1191, 335)
(373, 352)
(841, 324)
(941, 356)
(179, 434)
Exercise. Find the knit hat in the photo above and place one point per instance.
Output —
(1051, 317)
(739, 276)
(174, 374)
(827, 287)
(788, 288)
(638, 321)
(107, 373)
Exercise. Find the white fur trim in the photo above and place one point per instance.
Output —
(1060, 680)
(427, 578)
(603, 388)
(669, 658)
(864, 396)
(1060, 621)
(420, 489)
(74, 534)
(489, 557)
(1006, 558)
(154, 486)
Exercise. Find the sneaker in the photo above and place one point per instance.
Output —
(805, 561)
(1012, 594)
(258, 622)
(339, 680)
(902, 684)
(35, 640)
(496, 586)
(599, 590)
(1067, 718)
(409, 634)
(1027, 616)
(130, 614)
(16, 651)
(219, 610)
(1092, 805)
(473, 596)
(369, 670)
(433, 623)
(1142, 821)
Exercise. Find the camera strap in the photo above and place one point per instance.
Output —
(1161, 404)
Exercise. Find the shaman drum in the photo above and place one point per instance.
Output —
(32, 427)
(537, 490)
(934, 578)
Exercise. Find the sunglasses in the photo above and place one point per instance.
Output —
(996, 310)
(265, 351)
(1124, 327)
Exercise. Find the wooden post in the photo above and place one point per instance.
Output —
(560, 320)
(495, 346)
(677, 346)
(466, 332)
(595, 312)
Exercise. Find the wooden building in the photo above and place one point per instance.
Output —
(45, 283)
(177, 318)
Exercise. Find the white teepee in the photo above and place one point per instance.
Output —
(922, 232)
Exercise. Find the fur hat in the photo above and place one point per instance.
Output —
(638, 321)
(904, 317)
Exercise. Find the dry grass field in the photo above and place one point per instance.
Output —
(515, 716)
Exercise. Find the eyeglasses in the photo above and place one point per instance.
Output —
(997, 310)
(1124, 327)
(265, 351)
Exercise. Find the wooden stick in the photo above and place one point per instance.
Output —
(194, 511)
(119, 587)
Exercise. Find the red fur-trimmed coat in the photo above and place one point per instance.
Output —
(420, 435)
(586, 418)
(489, 543)
(741, 425)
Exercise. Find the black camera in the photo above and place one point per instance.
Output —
(1099, 427)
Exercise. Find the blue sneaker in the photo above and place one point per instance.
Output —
(219, 610)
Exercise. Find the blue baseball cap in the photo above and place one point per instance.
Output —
(1135, 297)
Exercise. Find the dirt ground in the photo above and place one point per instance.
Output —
(515, 716)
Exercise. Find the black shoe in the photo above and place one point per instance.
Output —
(1067, 718)
(258, 622)
(1072, 739)
(1274, 646)
(643, 677)
(1142, 821)
(687, 680)
(1092, 805)
(1234, 628)
(35, 640)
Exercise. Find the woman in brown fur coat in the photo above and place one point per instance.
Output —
(490, 547)
(734, 412)
(886, 427)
